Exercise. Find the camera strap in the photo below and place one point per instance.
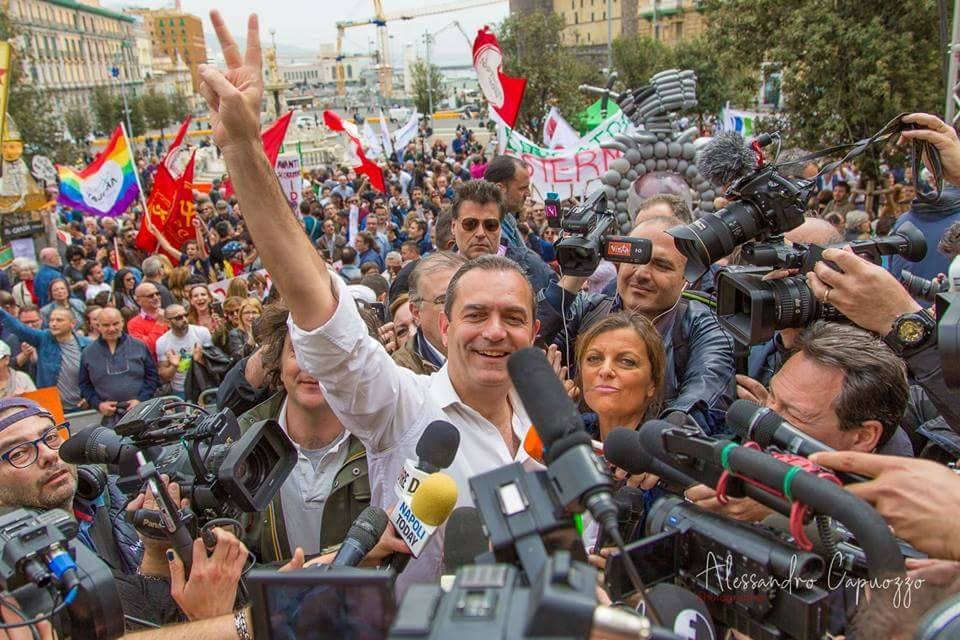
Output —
(919, 149)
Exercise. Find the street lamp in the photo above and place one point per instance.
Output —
(115, 72)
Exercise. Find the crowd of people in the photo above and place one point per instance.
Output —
(354, 345)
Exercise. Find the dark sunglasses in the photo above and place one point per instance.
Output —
(489, 224)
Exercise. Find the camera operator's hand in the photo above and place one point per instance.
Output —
(44, 630)
(107, 407)
(750, 389)
(901, 492)
(743, 509)
(865, 293)
(940, 135)
(211, 589)
(153, 563)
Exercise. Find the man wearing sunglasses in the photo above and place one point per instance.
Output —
(478, 214)
(32, 475)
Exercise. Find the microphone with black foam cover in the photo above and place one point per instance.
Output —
(97, 445)
(578, 476)
(768, 428)
(622, 448)
(726, 158)
(681, 612)
(436, 450)
(362, 537)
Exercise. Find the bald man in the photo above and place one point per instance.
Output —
(50, 265)
(116, 372)
(148, 325)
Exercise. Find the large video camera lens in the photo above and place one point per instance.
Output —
(752, 308)
(712, 237)
(921, 288)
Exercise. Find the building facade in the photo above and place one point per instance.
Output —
(669, 21)
(68, 49)
(176, 34)
(323, 71)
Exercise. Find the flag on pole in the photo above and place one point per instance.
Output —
(272, 138)
(388, 149)
(164, 193)
(372, 140)
(107, 186)
(405, 134)
(359, 160)
(179, 224)
(557, 132)
(503, 92)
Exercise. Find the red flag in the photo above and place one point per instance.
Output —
(360, 161)
(179, 226)
(503, 92)
(272, 138)
(164, 192)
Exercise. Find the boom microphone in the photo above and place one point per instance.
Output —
(362, 537)
(622, 448)
(726, 158)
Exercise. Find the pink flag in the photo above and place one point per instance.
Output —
(503, 92)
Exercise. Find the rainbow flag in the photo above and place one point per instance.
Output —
(107, 186)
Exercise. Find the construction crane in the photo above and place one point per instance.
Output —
(380, 20)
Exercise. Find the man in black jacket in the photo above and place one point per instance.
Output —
(700, 369)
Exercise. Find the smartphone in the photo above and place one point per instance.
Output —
(655, 558)
(381, 311)
(217, 307)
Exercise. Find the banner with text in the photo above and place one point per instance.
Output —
(291, 179)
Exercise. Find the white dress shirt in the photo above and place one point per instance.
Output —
(388, 407)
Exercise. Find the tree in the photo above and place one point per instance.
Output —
(78, 124)
(427, 87)
(156, 110)
(107, 110)
(848, 67)
(31, 109)
(179, 106)
(532, 49)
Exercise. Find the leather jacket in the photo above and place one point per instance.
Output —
(702, 384)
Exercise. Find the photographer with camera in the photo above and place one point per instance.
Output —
(700, 371)
(843, 387)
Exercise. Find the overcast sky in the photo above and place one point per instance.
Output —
(306, 24)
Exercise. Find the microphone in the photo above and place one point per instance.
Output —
(97, 445)
(436, 450)
(362, 537)
(726, 158)
(681, 612)
(464, 540)
(418, 518)
(622, 448)
(578, 477)
(767, 428)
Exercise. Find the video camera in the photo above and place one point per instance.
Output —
(753, 308)
(52, 576)
(588, 238)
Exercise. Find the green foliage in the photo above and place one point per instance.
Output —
(179, 107)
(78, 124)
(107, 110)
(718, 80)
(156, 110)
(427, 82)
(532, 50)
(848, 67)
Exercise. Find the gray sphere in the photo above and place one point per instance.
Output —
(621, 206)
(689, 151)
(661, 165)
(672, 164)
(633, 156)
(632, 175)
(611, 178)
(620, 165)
(646, 151)
(682, 166)
(610, 192)
(707, 206)
(674, 150)
(650, 164)
(660, 150)
(624, 184)
(692, 172)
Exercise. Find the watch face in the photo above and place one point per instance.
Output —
(910, 332)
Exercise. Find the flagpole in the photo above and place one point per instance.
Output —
(136, 170)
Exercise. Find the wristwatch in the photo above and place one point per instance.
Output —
(910, 332)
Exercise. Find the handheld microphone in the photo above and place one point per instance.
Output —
(682, 612)
(436, 450)
(579, 477)
(622, 448)
(361, 538)
(767, 428)
(417, 519)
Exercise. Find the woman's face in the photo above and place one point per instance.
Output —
(616, 374)
(59, 291)
(233, 316)
(199, 298)
(249, 316)
(129, 282)
(191, 250)
(26, 273)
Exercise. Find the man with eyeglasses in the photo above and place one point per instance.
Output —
(343, 189)
(478, 213)
(148, 325)
(32, 475)
(117, 372)
(179, 347)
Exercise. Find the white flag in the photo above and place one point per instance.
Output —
(557, 133)
(371, 140)
(385, 134)
(353, 226)
(407, 132)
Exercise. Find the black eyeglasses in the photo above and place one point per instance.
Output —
(489, 224)
(26, 453)
(150, 295)
(179, 317)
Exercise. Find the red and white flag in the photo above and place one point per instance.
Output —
(164, 193)
(358, 158)
(503, 92)
(557, 132)
(272, 139)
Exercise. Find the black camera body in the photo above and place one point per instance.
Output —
(587, 239)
